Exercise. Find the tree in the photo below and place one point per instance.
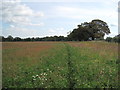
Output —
(96, 29)
(61, 38)
(17, 39)
(79, 34)
(116, 38)
(1, 38)
(27, 39)
(32, 39)
(38, 39)
(9, 38)
(108, 39)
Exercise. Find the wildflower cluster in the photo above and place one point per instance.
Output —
(40, 78)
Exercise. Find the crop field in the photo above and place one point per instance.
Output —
(90, 64)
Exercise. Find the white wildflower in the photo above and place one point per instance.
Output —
(34, 79)
(44, 73)
(33, 76)
(42, 79)
(37, 75)
(50, 71)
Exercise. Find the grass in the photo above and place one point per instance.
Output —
(60, 65)
(96, 65)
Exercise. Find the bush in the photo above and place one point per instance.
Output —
(108, 39)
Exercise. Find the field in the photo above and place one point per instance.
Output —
(60, 65)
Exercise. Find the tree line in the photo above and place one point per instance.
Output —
(87, 31)
(51, 38)
(114, 39)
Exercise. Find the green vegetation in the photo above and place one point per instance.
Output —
(114, 39)
(61, 65)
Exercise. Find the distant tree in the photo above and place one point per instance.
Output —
(38, 39)
(9, 38)
(116, 38)
(108, 39)
(61, 38)
(32, 39)
(17, 39)
(1, 37)
(55, 38)
(27, 39)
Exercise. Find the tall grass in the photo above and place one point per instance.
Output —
(61, 65)
(96, 65)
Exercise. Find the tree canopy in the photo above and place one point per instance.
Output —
(95, 29)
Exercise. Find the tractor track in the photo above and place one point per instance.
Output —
(71, 68)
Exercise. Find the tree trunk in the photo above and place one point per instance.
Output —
(93, 38)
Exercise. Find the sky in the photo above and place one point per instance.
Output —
(40, 18)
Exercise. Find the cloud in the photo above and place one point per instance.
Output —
(51, 31)
(112, 34)
(107, 1)
(16, 13)
(113, 25)
(39, 14)
(79, 13)
(12, 26)
(57, 31)
(20, 31)
(40, 24)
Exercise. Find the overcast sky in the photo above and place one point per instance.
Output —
(40, 18)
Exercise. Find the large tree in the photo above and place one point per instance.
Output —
(92, 30)
(98, 28)
(79, 34)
